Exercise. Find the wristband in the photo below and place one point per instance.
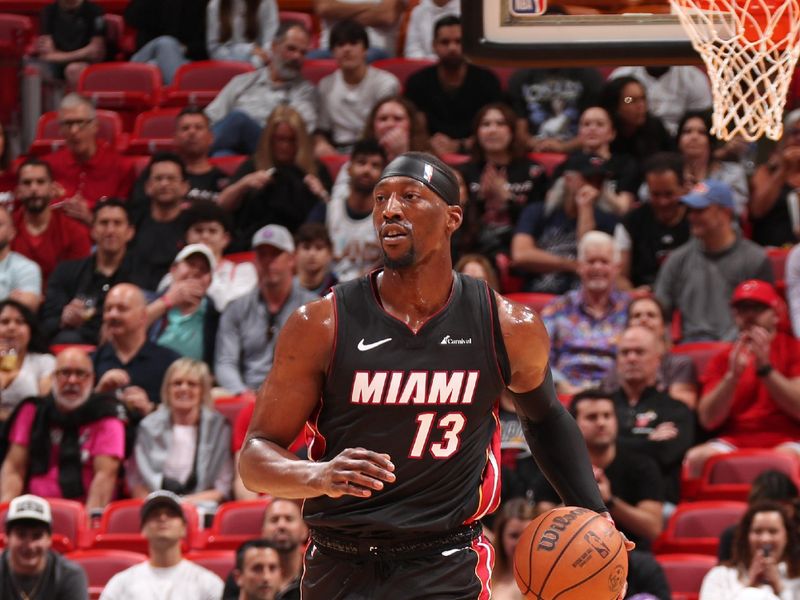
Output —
(764, 370)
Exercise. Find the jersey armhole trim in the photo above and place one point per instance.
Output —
(332, 359)
(500, 354)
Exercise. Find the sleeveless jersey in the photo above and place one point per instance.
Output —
(355, 243)
(429, 400)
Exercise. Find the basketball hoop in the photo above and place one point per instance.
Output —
(750, 56)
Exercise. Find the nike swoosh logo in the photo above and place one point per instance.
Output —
(364, 347)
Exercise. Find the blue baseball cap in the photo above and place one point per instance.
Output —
(708, 192)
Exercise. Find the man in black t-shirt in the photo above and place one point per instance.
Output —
(72, 37)
(451, 92)
(651, 231)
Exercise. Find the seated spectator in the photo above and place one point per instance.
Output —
(184, 317)
(585, 324)
(348, 94)
(280, 183)
(168, 34)
(286, 532)
(26, 365)
(8, 179)
(348, 215)
(165, 573)
(630, 483)
(639, 133)
(207, 223)
(646, 578)
(244, 352)
(649, 232)
(419, 34)
(595, 135)
(73, 305)
(241, 30)
(546, 236)
(29, 567)
(671, 92)
(71, 37)
(697, 145)
(765, 563)
(128, 364)
(751, 390)
(792, 275)
(245, 103)
(650, 422)
(45, 234)
(698, 278)
(20, 277)
(160, 230)
(501, 179)
(257, 574)
(676, 375)
(184, 445)
(479, 267)
(774, 186)
(68, 444)
(193, 139)
(87, 168)
(380, 17)
(452, 92)
(512, 519)
(314, 258)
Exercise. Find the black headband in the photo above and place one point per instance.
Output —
(413, 164)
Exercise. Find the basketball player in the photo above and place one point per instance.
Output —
(397, 374)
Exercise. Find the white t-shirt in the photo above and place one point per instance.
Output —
(230, 280)
(419, 35)
(26, 383)
(184, 581)
(355, 244)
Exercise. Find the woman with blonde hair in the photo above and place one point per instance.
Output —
(279, 183)
(184, 445)
(479, 267)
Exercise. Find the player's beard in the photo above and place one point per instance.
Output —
(398, 263)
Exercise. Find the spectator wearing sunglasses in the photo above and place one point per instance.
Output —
(249, 325)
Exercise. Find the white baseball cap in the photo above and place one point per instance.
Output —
(191, 249)
(29, 508)
(274, 235)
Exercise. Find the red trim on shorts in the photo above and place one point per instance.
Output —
(485, 563)
(489, 490)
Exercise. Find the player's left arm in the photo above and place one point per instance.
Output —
(552, 434)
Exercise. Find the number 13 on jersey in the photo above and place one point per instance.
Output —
(448, 430)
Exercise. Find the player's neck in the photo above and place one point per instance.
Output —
(414, 294)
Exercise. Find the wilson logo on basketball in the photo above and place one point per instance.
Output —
(551, 535)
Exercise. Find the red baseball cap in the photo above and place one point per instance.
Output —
(755, 290)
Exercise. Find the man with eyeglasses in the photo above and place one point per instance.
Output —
(87, 168)
(249, 325)
(68, 444)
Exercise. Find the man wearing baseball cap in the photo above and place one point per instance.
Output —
(184, 318)
(249, 325)
(166, 574)
(751, 390)
(698, 278)
(29, 568)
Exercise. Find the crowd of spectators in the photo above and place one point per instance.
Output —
(645, 218)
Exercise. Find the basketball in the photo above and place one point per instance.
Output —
(570, 553)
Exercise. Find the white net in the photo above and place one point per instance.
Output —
(750, 55)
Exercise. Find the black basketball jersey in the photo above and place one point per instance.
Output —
(429, 400)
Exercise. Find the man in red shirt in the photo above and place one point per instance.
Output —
(86, 168)
(751, 391)
(44, 233)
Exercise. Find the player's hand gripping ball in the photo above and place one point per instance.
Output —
(571, 553)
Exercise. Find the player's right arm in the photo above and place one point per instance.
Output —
(285, 402)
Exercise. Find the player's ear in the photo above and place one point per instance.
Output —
(455, 216)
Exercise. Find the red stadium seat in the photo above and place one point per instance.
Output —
(198, 83)
(503, 74)
(101, 565)
(120, 527)
(236, 522)
(119, 37)
(509, 283)
(729, 476)
(154, 131)
(127, 87)
(701, 353)
(695, 527)
(315, 69)
(533, 300)
(685, 573)
(307, 19)
(549, 160)
(334, 163)
(403, 68)
(231, 406)
(69, 523)
(229, 164)
(221, 562)
(57, 349)
(49, 138)
(778, 256)
(16, 33)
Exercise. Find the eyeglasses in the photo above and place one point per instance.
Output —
(79, 374)
(70, 123)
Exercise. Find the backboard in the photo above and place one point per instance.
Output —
(593, 32)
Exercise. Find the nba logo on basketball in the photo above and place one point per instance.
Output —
(595, 542)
